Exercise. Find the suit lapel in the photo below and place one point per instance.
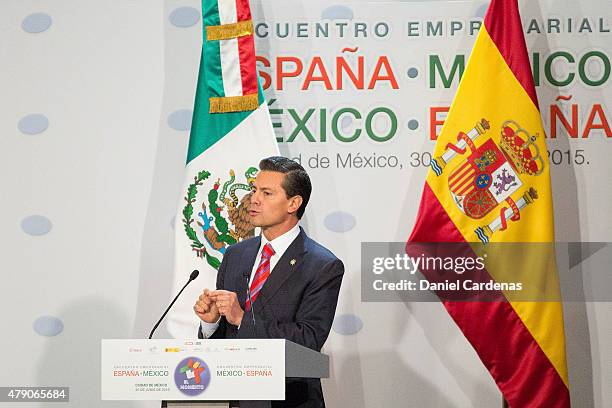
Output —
(247, 262)
(286, 265)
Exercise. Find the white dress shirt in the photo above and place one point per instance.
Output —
(280, 245)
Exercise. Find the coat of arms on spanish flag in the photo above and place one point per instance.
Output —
(490, 182)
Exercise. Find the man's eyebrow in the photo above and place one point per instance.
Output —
(261, 188)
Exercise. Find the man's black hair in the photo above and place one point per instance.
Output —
(296, 180)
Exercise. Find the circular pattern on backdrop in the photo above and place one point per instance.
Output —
(184, 17)
(48, 326)
(346, 122)
(36, 225)
(337, 12)
(413, 124)
(180, 119)
(339, 221)
(347, 324)
(36, 23)
(482, 10)
(33, 124)
(412, 72)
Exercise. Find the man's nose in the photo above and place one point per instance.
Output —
(255, 197)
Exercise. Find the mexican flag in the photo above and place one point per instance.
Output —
(231, 132)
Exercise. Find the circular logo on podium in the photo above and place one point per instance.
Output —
(192, 376)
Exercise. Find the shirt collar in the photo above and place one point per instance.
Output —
(281, 243)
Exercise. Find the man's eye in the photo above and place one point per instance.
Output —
(267, 193)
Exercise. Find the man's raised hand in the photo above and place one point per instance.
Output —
(206, 309)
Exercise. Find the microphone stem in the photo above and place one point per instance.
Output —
(168, 309)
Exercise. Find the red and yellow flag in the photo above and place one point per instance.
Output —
(490, 182)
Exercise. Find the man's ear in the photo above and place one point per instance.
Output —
(294, 204)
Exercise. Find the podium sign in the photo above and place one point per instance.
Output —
(193, 369)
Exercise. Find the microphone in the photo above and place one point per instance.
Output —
(193, 275)
(247, 276)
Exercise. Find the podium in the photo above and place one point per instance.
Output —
(205, 372)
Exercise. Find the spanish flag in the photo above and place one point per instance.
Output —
(489, 182)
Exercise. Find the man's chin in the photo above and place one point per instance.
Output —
(255, 222)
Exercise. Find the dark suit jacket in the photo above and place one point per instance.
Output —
(297, 303)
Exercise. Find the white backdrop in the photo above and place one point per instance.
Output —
(94, 121)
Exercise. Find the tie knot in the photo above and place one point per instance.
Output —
(268, 251)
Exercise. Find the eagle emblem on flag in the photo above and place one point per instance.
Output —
(222, 216)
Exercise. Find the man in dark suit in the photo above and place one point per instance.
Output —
(294, 281)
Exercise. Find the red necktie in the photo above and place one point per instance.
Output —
(261, 274)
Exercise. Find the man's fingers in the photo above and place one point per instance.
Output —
(202, 306)
(216, 293)
(222, 295)
(205, 294)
